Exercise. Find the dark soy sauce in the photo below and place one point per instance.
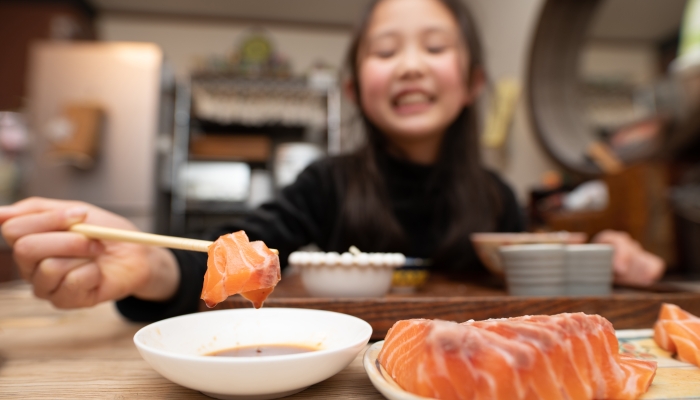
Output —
(262, 351)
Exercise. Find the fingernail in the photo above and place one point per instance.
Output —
(76, 214)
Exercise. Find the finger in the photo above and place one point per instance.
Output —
(33, 205)
(621, 260)
(51, 272)
(653, 267)
(45, 221)
(79, 288)
(659, 267)
(626, 252)
(621, 279)
(645, 269)
(631, 277)
(608, 236)
(31, 249)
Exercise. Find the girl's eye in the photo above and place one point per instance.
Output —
(436, 49)
(384, 53)
(436, 42)
(384, 47)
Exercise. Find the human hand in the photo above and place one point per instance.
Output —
(71, 270)
(631, 263)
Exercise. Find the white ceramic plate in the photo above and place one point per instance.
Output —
(177, 348)
(381, 379)
(666, 385)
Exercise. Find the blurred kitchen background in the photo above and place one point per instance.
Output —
(180, 113)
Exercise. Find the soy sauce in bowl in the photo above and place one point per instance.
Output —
(262, 351)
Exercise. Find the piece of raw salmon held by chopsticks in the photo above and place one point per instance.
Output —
(566, 356)
(678, 331)
(236, 265)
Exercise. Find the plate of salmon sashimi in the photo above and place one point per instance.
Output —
(565, 356)
(237, 266)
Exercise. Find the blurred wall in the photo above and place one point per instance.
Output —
(122, 80)
(184, 40)
(506, 26)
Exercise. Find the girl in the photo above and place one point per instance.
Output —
(416, 186)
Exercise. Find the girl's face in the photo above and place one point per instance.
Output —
(413, 69)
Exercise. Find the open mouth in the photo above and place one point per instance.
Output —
(412, 102)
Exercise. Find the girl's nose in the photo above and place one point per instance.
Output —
(411, 63)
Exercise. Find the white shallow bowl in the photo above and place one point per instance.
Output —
(176, 348)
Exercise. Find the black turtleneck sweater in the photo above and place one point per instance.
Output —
(309, 211)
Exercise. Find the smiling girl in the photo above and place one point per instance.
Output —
(416, 186)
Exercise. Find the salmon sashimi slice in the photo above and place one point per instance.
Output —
(595, 355)
(444, 360)
(566, 356)
(557, 377)
(678, 331)
(236, 265)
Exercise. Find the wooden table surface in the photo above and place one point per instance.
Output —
(89, 353)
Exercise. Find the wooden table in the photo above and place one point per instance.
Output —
(50, 354)
(89, 353)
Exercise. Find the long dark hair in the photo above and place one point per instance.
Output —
(468, 199)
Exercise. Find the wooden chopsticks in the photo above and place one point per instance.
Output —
(122, 235)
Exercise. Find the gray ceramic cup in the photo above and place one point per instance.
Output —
(534, 269)
(589, 270)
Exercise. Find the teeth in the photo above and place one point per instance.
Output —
(412, 98)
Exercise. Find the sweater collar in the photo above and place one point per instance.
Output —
(399, 167)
